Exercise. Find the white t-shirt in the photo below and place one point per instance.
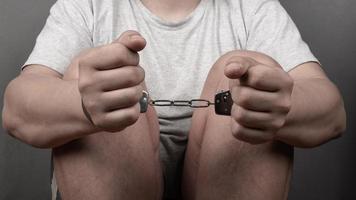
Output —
(178, 55)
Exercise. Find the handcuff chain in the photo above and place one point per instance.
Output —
(194, 103)
(222, 103)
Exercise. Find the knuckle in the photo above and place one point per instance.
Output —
(100, 120)
(135, 76)
(136, 58)
(105, 102)
(258, 74)
(255, 80)
(240, 133)
(84, 84)
(288, 81)
(91, 106)
(90, 57)
(125, 56)
(237, 131)
(131, 80)
(277, 124)
(132, 115)
(243, 97)
(134, 94)
(285, 105)
(138, 93)
(263, 70)
(141, 74)
(121, 52)
(83, 60)
(131, 97)
(239, 115)
(288, 106)
(98, 78)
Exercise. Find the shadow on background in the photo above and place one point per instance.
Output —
(327, 172)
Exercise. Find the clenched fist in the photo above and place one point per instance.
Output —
(261, 93)
(110, 82)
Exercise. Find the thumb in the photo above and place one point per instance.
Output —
(237, 67)
(132, 40)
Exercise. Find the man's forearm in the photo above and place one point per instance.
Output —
(44, 111)
(317, 114)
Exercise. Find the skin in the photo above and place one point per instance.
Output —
(114, 156)
(113, 149)
(226, 160)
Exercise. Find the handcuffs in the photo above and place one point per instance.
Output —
(222, 103)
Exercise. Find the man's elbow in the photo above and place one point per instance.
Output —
(338, 124)
(341, 124)
(29, 137)
(23, 131)
(331, 131)
(332, 135)
(15, 124)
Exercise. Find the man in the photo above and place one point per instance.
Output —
(79, 94)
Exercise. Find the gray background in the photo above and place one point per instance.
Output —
(327, 172)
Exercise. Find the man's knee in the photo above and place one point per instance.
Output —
(217, 81)
(110, 164)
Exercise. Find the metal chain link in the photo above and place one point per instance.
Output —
(222, 102)
(194, 103)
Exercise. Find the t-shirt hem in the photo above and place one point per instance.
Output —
(297, 60)
(50, 64)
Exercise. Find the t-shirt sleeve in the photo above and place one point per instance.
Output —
(274, 33)
(66, 33)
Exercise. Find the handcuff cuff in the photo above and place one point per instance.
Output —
(222, 103)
